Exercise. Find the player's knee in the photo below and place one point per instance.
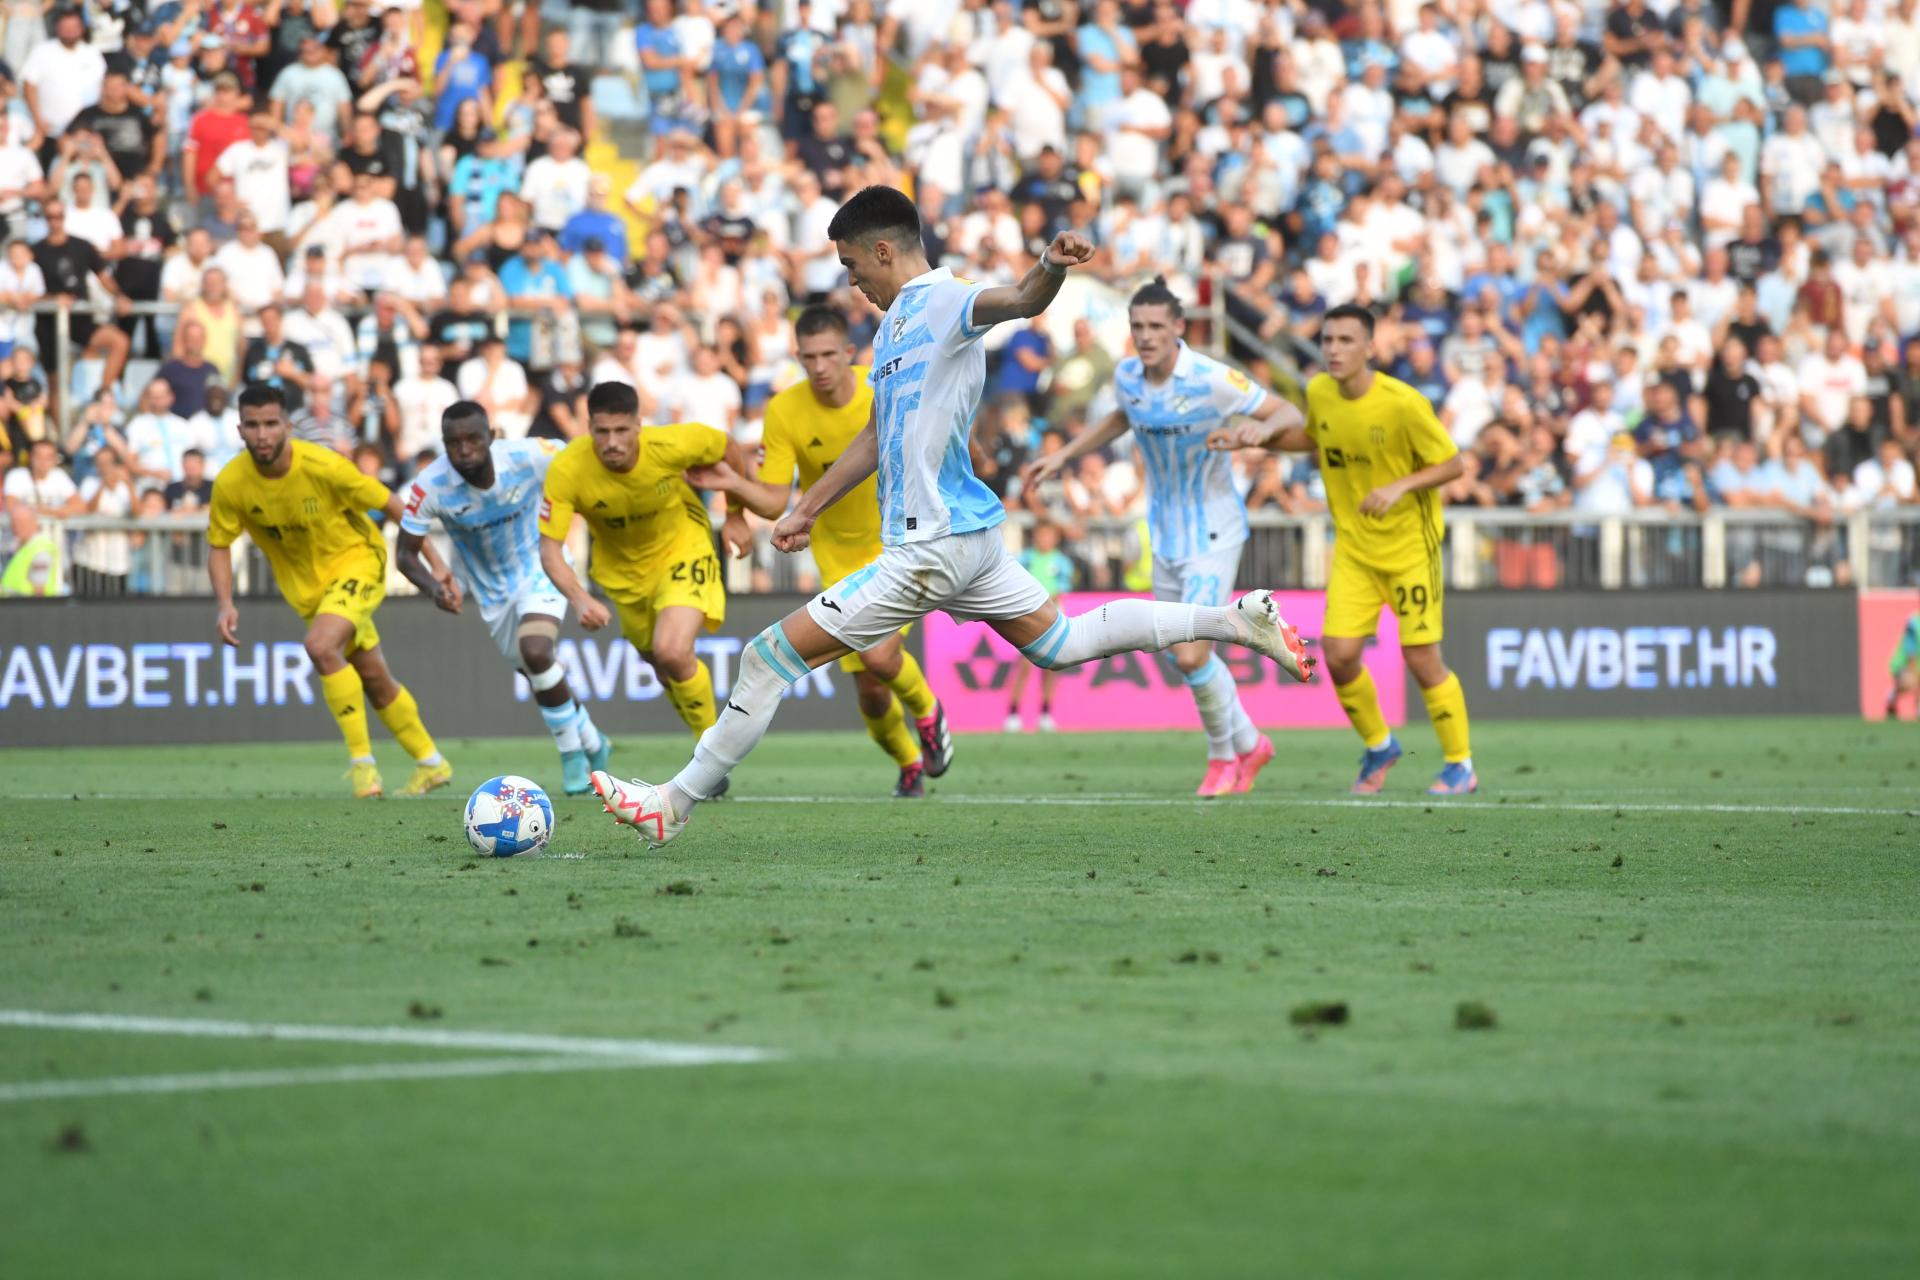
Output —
(536, 653)
(872, 694)
(883, 663)
(673, 659)
(325, 651)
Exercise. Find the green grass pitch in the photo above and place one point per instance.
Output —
(1038, 1025)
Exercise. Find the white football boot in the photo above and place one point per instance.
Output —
(1263, 630)
(639, 805)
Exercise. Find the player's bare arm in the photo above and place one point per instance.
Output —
(1381, 500)
(220, 573)
(847, 473)
(1038, 288)
(1111, 428)
(410, 557)
(1278, 427)
(553, 559)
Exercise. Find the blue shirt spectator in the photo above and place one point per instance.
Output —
(662, 42)
(1796, 18)
(536, 277)
(734, 66)
(458, 76)
(1100, 88)
(1016, 378)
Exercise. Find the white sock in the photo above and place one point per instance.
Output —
(1246, 734)
(1121, 626)
(1214, 694)
(563, 722)
(768, 667)
(591, 738)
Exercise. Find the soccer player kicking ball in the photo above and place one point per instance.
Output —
(306, 509)
(1382, 455)
(937, 520)
(486, 494)
(808, 426)
(652, 541)
(1173, 399)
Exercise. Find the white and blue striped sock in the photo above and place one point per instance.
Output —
(563, 722)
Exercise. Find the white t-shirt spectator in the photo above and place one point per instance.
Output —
(98, 227)
(56, 489)
(423, 284)
(714, 400)
(556, 189)
(1884, 487)
(1664, 99)
(1367, 112)
(158, 440)
(260, 179)
(106, 550)
(1792, 166)
(820, 273)
(180, 276)
(1862, 290)
(1590, 435)
(353, 225)
(421, 401)
(1832, 383)
(253, 275)
(1458, 167)
(327, 337)
(19, 169)
(67, 81)
(1036, 116)
(17, 326)
(505, 389)
(1725, 201)
(1469, 407)
(1135, 156)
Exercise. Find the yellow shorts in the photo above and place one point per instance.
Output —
(692, 581)
(1355, 592)
(354, 595)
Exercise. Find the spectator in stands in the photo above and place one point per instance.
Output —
(217, 317)
(324, 333)
(219, 125)
(216, 428)
(420, 399)
(321, 421)
(498, 384)
(556, 185)
(189, 371)
(193, 490)
(318, 83)
(157, 437)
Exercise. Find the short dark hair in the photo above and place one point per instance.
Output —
(258, 395)
(464, 411)
(821, 320)
(192, 453)
(1349, 311)
(875, 211)
(614, 398)
(1155, 293)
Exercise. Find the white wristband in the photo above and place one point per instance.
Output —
(1047, 265)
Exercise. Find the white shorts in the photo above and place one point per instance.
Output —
(540, 598)
(1206, 579)
(967, 576)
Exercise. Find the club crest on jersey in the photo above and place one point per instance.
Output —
(310, 506)
(1377, 435)
(898, 329)
(1180, 404)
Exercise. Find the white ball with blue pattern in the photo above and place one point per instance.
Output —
(509, 816)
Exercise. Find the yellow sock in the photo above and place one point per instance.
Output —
(693, 699)
(402, 718)
(891, 732)
(911, 687)
(1362, 704)
(1447, 708)
(348, 702)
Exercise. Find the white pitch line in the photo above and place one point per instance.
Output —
(208, 1081)
(1108, 799)
(660, 1053)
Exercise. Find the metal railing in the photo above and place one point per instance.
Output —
(1486, 549)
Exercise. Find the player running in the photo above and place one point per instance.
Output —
(1173, 398)
(808, 426)
(1382, 455)
(652, 540)
(1904, 667)
(486, 495)
(937, 520)
(306, 509)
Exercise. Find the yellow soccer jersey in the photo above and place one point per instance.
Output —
(311, 523)
(806, 436)
(641, 520)
(1386, 435)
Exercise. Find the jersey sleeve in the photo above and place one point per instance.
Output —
(1235, 393)
(779, 459)
(950, 313)
(417, 512)
(688, 444)
(557, 502)
(223, 515)
(1430, 441)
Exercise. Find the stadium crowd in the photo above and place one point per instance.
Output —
(1639, 255)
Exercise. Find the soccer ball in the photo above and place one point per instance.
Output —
(509, 816)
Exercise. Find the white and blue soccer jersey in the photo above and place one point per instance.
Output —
(495, 533)
(928, 375)
(1193, 508)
